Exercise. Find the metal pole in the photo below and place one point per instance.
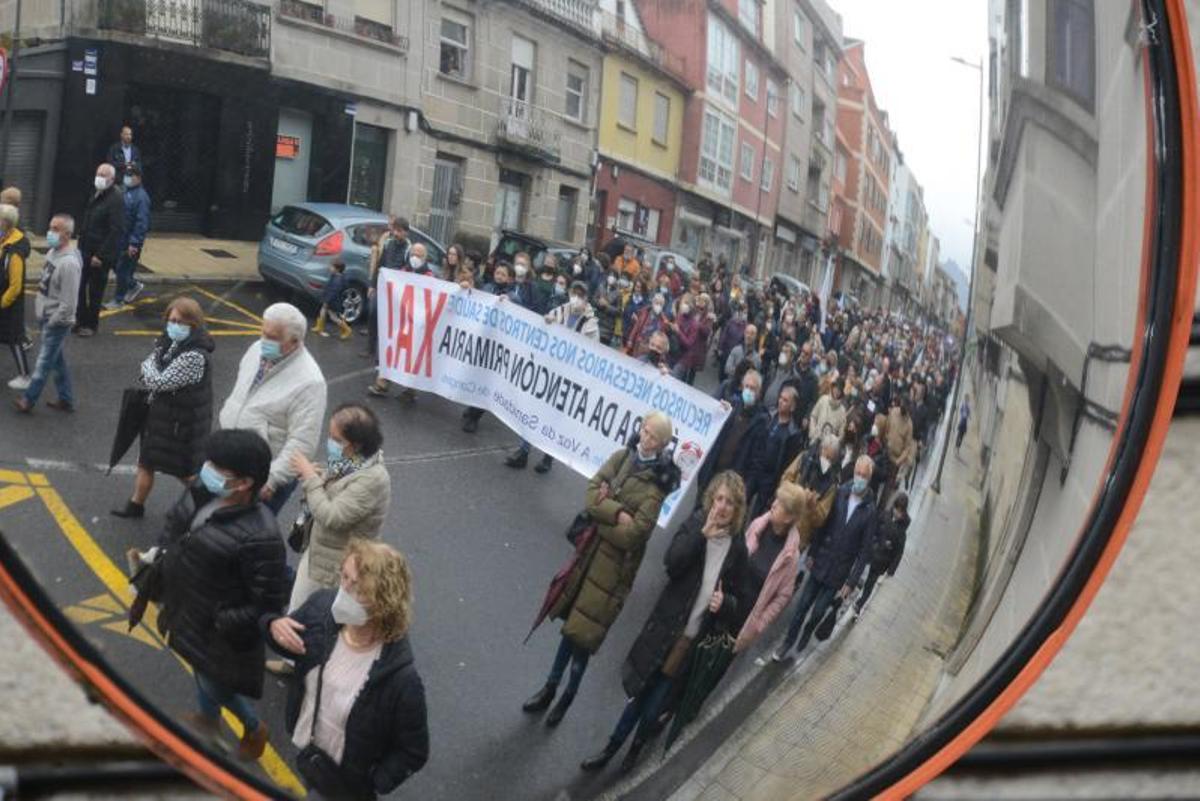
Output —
(12, 83)
(353, 137)
(962, 349)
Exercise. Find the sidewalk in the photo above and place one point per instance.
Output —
(182, 258)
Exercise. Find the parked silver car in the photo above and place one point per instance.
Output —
(302, 240)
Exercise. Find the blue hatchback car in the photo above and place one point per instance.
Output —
(302, 240)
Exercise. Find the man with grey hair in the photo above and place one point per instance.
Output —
(58, 292)
(100, 235)
(280, 393)
(837, 555)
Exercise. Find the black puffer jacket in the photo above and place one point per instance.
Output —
(218, 581)
(387, 734)
(103, 227)
(178, 422)
(684, 562)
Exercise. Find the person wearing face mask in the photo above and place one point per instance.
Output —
(829, 415)
(840, 549)
(279, 392)
(57, 295)
(901, 447)
(650, 319)
(608, 302)
(638, 298)
(137, 225)
(705, 593)
(14, 258)
(784, 442)
(348, 498)
(356, 706)
(624, 498)
(223, 565)
(500, 286)
(748, 348)
(178, 378)
(732, 333)
(692, 329)
(741, 445)
(390, 252)
(100, 236)
(418, 260)
(886, 549)
(783, 371)
(550, 289)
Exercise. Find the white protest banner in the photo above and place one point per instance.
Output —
(569, 396)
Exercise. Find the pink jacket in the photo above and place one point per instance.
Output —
(777, 589)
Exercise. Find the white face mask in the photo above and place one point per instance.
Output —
(874, 431)
(347, 611)
(825, 463)
(658, 307)
(101, 183)
(685, 308)
(783, 360)
(416, 262)
(522, 271)
(578, 305)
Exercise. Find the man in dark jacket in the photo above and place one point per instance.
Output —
(124, 152)
(223, 562)
(740, 445)
(99, 243)
(887, 548)
(500, 286)
(784, 441)
(806, 384)
(837, 554)
(137, 225)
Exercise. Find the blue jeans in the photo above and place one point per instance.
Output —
(126, 264)
(50, 360)
(568, 652)
(643, 710)
(814, 597)
(212, 696)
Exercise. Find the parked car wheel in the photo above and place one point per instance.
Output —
(354, 303)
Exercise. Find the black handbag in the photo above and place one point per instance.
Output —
(297, 538)
(319, 770)
(578, 526)
(825, 628)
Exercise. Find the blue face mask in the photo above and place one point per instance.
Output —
(748, 397)
(271, 350)
(859, 485)
(178, 331)
(53, 239)
(213, 481)
(127, 181)
(335, 450)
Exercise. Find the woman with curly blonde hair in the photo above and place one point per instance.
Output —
(356, 707)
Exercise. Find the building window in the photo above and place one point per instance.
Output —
(456, 49)
(748, 15)
(752, 81)
(662, 118)
(798, 27)
(716, 149)
(564, 218)
(818, 190)
(626, 210)
(723, 60)
(634, 218)
(799, 99)
(747, 161)
(818, 121)
(524, 56)
(793, 174)
(839, 165)
(627, 111)
(1071, 49)
(772, 98)
(577, 78)
(768, 174)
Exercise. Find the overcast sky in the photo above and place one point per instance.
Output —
(932, 102)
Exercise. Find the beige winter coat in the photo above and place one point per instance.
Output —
(352, 506)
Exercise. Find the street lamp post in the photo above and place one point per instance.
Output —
(962, 350)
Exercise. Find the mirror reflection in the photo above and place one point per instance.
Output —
(563, 399)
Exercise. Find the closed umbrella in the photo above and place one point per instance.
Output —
(710, 659)
(135, 407)
(558, 584)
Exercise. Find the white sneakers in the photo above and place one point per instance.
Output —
(20, 383)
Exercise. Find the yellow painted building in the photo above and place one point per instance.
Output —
(641, 114)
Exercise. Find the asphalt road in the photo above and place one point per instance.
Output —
(483, 541)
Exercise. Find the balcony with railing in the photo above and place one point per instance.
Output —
(235, 26)
(529, 129)
(314, 14)
(617, 31)
(582, 15)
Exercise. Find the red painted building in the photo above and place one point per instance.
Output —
(731, 166)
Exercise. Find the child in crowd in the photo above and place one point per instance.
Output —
(331, 301)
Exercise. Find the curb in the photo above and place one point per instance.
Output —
(158, 279)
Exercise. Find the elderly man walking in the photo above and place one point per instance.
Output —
(100, 237)
(57, 294)
(280, 393)
(837, 555)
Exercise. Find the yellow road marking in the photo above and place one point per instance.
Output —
(14, 494)
(12, 477)
(148, 333)
(255, 326)
(228, 303)
(117, 583)
(106, 607)
(126, 308)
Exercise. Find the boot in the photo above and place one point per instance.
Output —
(541, 699)
(319, 328)
(253, 743)
(597, 762)
(345, 329)
(545, 464)
(560, 709)
(517, 459)
(631, 756)
(130, 510)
